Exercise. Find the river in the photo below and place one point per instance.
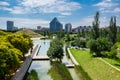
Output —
(42, 67)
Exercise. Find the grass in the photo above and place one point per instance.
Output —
(95, 68)
(113, 62)
(30, 32)
(59, 72)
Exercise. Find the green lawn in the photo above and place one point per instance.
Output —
(113, 62)
(95, 68)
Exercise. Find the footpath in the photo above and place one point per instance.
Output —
(20, 73)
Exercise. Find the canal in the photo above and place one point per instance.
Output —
(42, 67)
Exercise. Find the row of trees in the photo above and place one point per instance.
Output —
(103, 40)
(12, 50)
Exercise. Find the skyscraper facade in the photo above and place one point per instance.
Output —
(10, 25)
(55, 25)
(68, 27)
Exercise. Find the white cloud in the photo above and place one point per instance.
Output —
(86, 21)
(106, 3)
(106, 6)
(63, 7)
(2, 3)
(66, 13)
(117, 10)
(22, 22)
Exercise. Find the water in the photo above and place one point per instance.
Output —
(42, 67)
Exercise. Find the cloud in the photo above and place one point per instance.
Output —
(63, 7)
(117, 10)
(66, 13)
(107, 6)
(86, 21)
(22, 22)
(2, 3)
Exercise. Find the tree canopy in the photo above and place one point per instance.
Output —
(56, 50)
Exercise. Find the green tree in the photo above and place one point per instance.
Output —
(21, 42)
(9, 60)
(56, 50)
(99, 45)
(95, 30)
(113, 29)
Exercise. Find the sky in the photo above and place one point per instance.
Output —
(33, 13)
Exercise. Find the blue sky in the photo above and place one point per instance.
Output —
(32, 13)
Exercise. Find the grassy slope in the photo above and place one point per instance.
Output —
(95, 68)
(59, 72)
(113, 62)
(30, 32)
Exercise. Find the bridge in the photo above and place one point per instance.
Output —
(70, 65)
(40, 58)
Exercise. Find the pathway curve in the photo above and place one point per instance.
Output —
(109, 64)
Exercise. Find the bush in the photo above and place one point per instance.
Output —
(113, 52)
(99, 45)
(79, 43)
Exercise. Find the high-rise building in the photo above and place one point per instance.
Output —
(38, 27)
(10, 25)
(68, 27)
(55, 25)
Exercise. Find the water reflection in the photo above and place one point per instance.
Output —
(42, 67)
(33, 75)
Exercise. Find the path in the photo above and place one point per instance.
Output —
(20, 73)
(109, 64)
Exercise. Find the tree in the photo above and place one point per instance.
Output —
(56, 50)
(113, 29)
(79, 42)
(95, 30)
(99, 45)
(9, 60)
(21, 42)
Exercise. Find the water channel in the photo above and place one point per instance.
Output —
(42, 67)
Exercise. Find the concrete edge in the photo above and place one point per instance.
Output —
(71, 57)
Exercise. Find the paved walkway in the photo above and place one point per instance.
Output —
(20, 73)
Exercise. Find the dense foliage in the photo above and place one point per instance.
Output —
(99, 45)
(11, 52)
(56, 50)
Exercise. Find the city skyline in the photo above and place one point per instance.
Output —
(33, 13)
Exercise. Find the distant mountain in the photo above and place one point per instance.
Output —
(30, 32)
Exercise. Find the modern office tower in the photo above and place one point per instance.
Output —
(38, 27)
(68, 27)
(55, 25)
(10, 25)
